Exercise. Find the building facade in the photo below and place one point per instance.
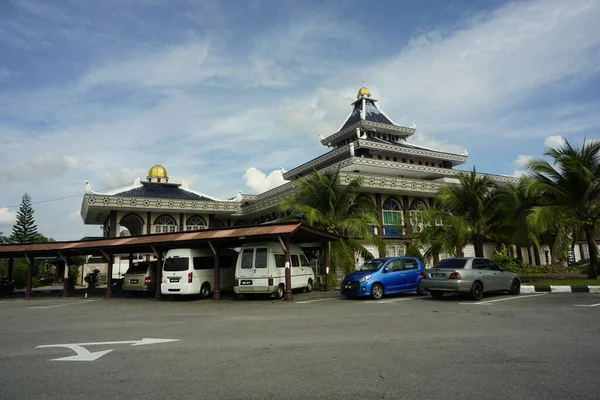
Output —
(398, 176)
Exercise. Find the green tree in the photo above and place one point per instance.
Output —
(571, 185)
(467, 211)
(24, 230)
(322, 202)
(3, 239)
(442, 232)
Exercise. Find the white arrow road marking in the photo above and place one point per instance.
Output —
(504, 299)
(84, 354)
(587, 305)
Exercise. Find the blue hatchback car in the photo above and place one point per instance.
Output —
(381, 276)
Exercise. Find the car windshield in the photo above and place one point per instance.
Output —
(138, 268)
(452, 263)
(370, 265)
(177, 264)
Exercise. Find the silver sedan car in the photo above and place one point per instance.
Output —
(472, 275)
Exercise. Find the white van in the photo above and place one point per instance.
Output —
(192, 271)
(260, 268)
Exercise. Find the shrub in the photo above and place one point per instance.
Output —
(73, 275)
(20, 274)
(413, 251)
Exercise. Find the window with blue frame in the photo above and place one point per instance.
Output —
(393, 218)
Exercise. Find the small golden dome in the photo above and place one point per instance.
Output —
(363, 91)
(158, 171)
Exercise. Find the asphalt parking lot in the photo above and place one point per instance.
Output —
(533, 346)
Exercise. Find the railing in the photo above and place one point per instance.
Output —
(392, 230)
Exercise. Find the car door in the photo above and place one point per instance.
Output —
(391, 279)
(296, 272)
(501, 278)
(409, 274)
(481, 272)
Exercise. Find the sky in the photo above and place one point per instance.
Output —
(226, 94)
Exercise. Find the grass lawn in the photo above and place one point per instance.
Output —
(562, 282)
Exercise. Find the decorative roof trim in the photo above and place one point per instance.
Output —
(127, 203)
(407, 150)
(316, 161)
(367, 144)
(370, 124)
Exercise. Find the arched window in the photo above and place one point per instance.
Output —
(133, 223)
(393, 218)
(217, 224)
(240, 223)
(164, 224)
(416, 215)
(195, 223)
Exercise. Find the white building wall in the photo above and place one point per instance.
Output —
(488, 250)
(543, 259)
(577, 253)
(469, 250)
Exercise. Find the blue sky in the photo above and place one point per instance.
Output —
(225, 93)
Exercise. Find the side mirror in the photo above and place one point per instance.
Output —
(386, 269)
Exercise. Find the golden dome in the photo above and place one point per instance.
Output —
(158, 171)
(363, 91)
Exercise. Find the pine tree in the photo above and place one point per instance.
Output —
(25, 229)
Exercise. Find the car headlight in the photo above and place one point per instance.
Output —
(365, 278)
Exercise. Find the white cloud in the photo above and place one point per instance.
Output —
(496, 61)
(431, 142)
(124, 176)
(4, 74)
(75, 216)
(522, 160)
(519, 173)
(42, 168)
(554, 142)
(258, 182)
(7, 216)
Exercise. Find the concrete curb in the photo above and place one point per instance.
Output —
(560, 289)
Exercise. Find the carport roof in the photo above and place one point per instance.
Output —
(231, 237)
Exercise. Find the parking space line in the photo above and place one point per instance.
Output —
(66, 304)
(314, 301)
(393, 300)
(587, 305)
(489, 302)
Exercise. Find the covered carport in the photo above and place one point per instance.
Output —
(215, 239)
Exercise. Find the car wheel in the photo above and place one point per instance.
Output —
(476, 292)
(515, 287)
(436, 294)
(205, 290)
(376, 291)
(308, 287)
(280, 290)
(421, 291)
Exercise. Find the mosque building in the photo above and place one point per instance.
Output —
(398, 176)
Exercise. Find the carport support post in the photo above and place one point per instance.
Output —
(159, 267)
(326, 262)
(217, 283)
(111, 258)
(30, 261)
(11, 265)
(65, 290)
(287, 294)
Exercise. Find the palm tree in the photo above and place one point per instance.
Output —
(471, 208)
(571, 185)
(442, 232)
(322, 202)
